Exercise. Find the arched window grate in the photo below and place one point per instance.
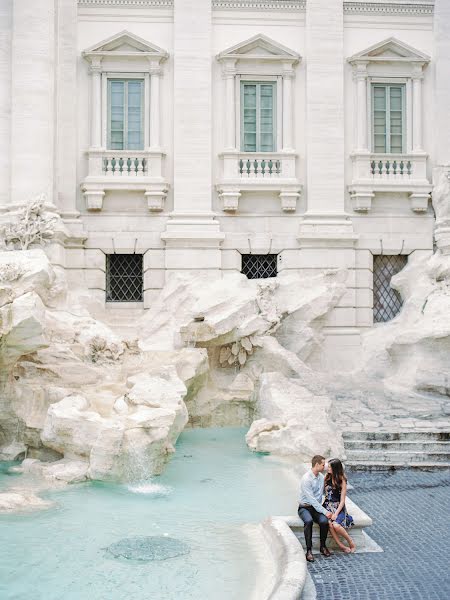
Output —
(386, 301)
(124, 278)
(259, 266)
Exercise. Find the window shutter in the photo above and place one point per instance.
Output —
(134, 132)
(266, 117)
(125, 114)
(116, 112)
(258, 117)
(388, 118)
(396, 119)
(379, 119)
(250, 117)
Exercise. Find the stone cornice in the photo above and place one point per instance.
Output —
(125, 3)
(389, 8)
(399, 7)
(260, 4)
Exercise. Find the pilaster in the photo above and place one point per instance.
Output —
(193, 235)
(325, 218)
(33, 100)
(67, 130)
(441, 124)
(6, 11)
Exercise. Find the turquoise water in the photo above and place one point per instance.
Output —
(211, 488)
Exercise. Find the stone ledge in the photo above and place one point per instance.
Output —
(288, 556)
(363, 542)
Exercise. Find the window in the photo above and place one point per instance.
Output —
(388, 117)
(386, 301)
(258, 114)
(259, 266)
(125, 114)
(124, 278)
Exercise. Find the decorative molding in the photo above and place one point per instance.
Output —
(389, 8)
(399, 7)
(125, 3)
(259, 48)
(259, 4)
(122, 44)
(390, 50)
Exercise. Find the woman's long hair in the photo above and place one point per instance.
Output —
(337, 475)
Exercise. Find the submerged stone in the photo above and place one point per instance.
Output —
(148, 548)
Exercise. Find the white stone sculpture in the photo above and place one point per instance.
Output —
(82, 404)
(293, 421)
(33, 225)
(410, 353)
(441, 205)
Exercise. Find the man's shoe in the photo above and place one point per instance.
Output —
(324, 550)
(309, 556)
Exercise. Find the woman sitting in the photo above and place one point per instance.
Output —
(335, 488)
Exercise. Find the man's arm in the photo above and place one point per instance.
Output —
(308, 491)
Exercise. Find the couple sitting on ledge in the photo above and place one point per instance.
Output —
(322, 500)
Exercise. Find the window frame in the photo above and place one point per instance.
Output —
(278, 106)
(109, 79)
(387, 84)
(110, 290)
(257, 256)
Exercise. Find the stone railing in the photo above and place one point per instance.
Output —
(258, 165)
(258, 171)
(374, 173)
(132, 170)
(390, 167)
(124, 164)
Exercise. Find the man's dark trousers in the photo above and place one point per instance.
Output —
(308, 515)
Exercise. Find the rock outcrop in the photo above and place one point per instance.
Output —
(82, 403)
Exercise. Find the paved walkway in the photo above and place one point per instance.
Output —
(411, 514)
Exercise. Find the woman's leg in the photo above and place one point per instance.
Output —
(335, 536)
(339, 530)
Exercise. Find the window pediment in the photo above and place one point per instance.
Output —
(391, 51)
(259, 48)
(126, 45)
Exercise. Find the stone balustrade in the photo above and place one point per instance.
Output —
(124, 164)
(126, 170)
(389, 173)
(258, 171)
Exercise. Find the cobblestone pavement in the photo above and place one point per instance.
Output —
(411, 522)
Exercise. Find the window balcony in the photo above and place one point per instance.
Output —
(126, 170)
(389, 173)
(258, 171)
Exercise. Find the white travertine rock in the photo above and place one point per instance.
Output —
(27, 271)
(65, 470)
(20, 500)
(113, 412)
(226, 310)
(291, 420)
(410, 353)
(21, 328)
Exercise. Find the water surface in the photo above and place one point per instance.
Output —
(212, 487)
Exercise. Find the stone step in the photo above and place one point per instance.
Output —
(399, 445)
(379, 465)
(393, 456)
(412, 435)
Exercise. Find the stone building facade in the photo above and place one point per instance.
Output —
(204, 135)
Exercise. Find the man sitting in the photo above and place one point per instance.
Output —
(310, 507)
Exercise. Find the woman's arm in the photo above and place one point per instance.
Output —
(343, 496)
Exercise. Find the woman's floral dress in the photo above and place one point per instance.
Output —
(331, 503)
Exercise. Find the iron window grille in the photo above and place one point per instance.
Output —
(124, 278)
(259, 266)
(387, 302)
